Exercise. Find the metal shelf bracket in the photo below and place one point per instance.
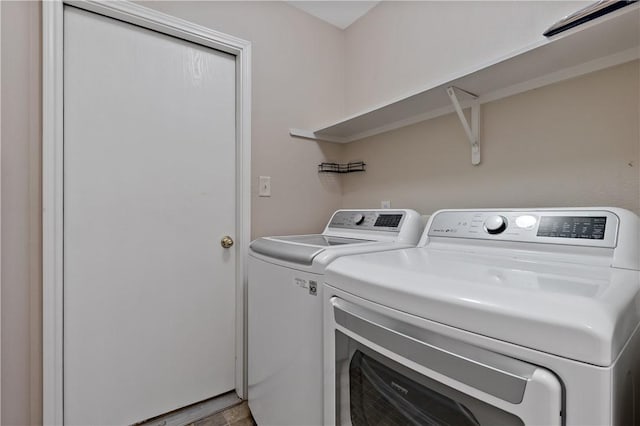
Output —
(473, 131)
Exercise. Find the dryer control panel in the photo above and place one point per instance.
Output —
(596, 228)
(369, 220)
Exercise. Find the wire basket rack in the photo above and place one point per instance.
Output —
(356, 166)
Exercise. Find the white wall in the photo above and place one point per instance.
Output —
(400, 46)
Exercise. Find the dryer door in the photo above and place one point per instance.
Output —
(394, 371)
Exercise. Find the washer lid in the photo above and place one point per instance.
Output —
(581, 312)
(301, 249)
(321, 240)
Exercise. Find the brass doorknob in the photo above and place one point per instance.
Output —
(226, 241)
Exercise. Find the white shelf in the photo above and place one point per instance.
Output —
(604, 42)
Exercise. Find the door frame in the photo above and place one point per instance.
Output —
(0, 216)
(52, 175)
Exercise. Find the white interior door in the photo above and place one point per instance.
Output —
(149, 191)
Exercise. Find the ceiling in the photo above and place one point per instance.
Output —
(338, 13)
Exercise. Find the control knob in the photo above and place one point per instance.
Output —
(495, 224)
(358, 218)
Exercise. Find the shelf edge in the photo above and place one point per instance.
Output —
(545, 80)
(310, 134)
(575, 71)
(405, 122)
(632, 9)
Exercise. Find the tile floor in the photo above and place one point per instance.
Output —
(238, 415)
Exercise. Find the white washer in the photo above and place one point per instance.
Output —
(497, 317)
(285, 308)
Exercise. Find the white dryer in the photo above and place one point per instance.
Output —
(285, 308)
(498, 317)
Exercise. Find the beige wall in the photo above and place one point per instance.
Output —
(401, 46)
(298, 81)
(582, 133)
(21, 229)
(574, 143)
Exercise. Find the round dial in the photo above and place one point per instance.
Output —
(495, 224)
(358, 219)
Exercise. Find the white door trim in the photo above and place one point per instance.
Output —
(52, 175)
(0, 217)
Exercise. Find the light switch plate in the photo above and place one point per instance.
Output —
(265, 186)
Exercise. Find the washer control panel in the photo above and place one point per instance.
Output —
(596, 228)
(368, 220)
